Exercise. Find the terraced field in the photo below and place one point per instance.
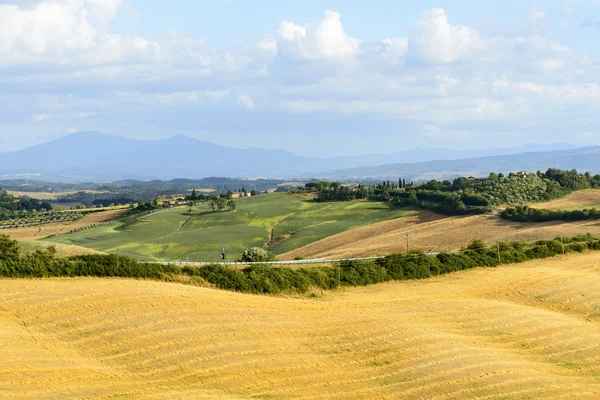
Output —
(435, 233)
(530, 331)
(43, 231)
(177, 234)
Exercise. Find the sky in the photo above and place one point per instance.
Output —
(319, 78)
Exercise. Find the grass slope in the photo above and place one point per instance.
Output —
(176, 234)
(526, 331)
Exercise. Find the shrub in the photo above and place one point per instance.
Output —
(257, 254)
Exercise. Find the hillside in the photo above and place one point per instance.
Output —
(93, 157)
(177, 234)
(526, 331)
(584, 159)
(434, 233)
(579, 200)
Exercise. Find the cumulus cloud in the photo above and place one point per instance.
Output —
(434, 41)
(323, 39)
(438, 75)
(48, 27)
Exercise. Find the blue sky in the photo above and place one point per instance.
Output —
(315, 77)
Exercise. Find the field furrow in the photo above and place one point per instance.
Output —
(523, 331)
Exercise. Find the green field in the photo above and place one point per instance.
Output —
(177, 234)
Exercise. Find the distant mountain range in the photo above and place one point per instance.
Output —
(93, 156)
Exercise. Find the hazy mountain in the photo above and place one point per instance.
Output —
(93, 156)
(583, 159)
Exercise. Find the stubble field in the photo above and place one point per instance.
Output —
(529, 331)
(435, 233)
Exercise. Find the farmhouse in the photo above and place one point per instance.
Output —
(239, 195)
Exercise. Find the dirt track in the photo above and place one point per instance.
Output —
(526, 331)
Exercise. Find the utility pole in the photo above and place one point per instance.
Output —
(117, 258)
(339, 273)
(499, 258)
(407, 244)
(562, 244)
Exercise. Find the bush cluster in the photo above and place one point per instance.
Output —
(529, 214)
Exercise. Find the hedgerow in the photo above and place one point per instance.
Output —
(262, 279)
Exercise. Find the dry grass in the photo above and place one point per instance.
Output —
(50, 195)
(525, 331)
(589, 198)
(43, 231)
(62, 250)
(433, 232)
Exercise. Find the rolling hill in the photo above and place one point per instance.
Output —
(435, 233)
(279, 221)
(529, 331)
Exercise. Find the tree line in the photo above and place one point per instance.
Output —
(462, 195)
(23, 207)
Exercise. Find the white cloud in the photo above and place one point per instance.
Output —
(246, 102)
(41, 117)
(48, 27)
(290, 31)
(550, 65)
(434, 41)
(323, 39)
(105, 9)
(268, 45)
(70, 130)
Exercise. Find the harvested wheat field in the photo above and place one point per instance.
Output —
(435, 233)
(528, 331)
(62, 250)
(581, 199)
(43, 231)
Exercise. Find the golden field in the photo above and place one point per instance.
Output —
(589, 198)
(435, 233)
(528, 331)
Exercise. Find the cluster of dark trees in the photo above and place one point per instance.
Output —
(529, 214)
(13, 208)
(216, 202)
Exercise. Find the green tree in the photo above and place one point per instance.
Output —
(256, 254)
(231, 204)
(9, 249)
(221, 203)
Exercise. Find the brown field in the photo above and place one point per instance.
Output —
(528, 331)
(588, 198)
(435, 233)
(43, 231)
(62, 250)
(50, 195)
